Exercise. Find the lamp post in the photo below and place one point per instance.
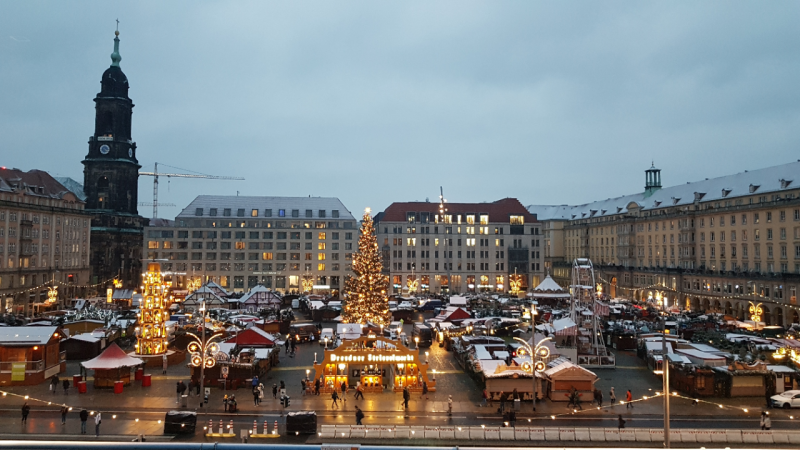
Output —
(537, 352)
(203, 351)
(416, 342)
(665, 380)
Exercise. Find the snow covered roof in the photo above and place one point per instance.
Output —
(112, 358)
(264, 203)
(769, 180)
(458, 300)
(548, 285)
(568, 366)
(87, 337)
(259, 295)
(26, 335)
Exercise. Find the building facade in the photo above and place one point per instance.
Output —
(715, 245)
(111, 183)
(460, 247)
(44, 241)
(238, 242)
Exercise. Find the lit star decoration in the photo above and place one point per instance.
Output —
(755, 312)
(117, 283)
(367, 300)
(515, 283)
(308, 284)
(52, 294)
(200, 353)
(151, 336)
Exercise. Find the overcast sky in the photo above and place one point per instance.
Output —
(375, 102)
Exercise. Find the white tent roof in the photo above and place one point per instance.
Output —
(548, 285)
(26, 335)
(112, 358)
(458, 300)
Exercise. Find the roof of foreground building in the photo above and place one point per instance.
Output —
(276, 204)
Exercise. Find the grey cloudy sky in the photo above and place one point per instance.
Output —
(375, 102)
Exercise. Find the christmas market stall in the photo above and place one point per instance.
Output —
(112, 365)
(563, 376)
(377, 363)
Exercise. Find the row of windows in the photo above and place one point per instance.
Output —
(458, 229)
(266, 256)
(45, 220)
(240, 212)
(251, 267)
(279, 224)
(466, 266)
(199, 234)
(195, 245)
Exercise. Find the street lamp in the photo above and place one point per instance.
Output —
(538, 353)
(203, 352)
(416, 341)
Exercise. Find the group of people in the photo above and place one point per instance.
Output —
(54, 382)
(84, 416)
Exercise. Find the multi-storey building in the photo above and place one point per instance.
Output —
(44, 241)
(470, 247)
(713, 245)
(240, 242)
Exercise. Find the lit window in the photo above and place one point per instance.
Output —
(470, 219)
(321, 246)
(240, 246)
(321, 267)
(321, 256)
(484, 219)
(517, 220)
(266, 256)
(152, 244)
(321, 236)
(254, 213)
(471, 242)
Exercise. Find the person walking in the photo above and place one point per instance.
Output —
(620, 422)
(260, 393)
(359, 416)
(303, 386)
(225, 402)
(316, 386)
(65, 384)
(98, 419)
(164, 364)
(255, 395)
(64, 411)
(84, 415)
(334, 398)
(628, 399)
(344, 391)
(286, 344)
(406, 397)
(25, 411)
(512, 418)
(766, 422)
(612, 396)
(425, 389)
(178, 392)
(274, 391)
(359, 391)
(485, 397)
(197, 388)
(599, 398)
(502, 401)
(449, 405)
(54, 384)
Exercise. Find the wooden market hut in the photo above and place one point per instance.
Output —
(377, 363)
(30, 355)
(562, 376)
(112, 365)
(207, 294)
(260, 297)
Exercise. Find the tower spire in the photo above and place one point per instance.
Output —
(115, 57)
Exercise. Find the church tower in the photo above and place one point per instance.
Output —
(111, 183)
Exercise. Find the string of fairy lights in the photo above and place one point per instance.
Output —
(367, 287)
(659, 287)
(52, 283)
(28, 398)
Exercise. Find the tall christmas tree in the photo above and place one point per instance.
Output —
(367, 300)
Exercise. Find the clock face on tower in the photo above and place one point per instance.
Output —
(130, 153)
(104, 149)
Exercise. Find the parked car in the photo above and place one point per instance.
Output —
(326, 333)
(303, 332)
(787, 399)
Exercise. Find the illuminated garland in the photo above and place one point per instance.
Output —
(367, 300)
(51, 283)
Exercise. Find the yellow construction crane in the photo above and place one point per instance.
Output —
(155, 174)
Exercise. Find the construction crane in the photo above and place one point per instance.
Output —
(155, 174)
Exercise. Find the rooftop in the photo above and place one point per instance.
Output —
(770, 180)
(498, 211)
(261, 204)
(35, 183)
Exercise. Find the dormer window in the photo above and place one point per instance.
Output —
(656, 203)
(675, 200)
(785, 183)
(619, 209)
(754, 187)
(725, 192)
(699, 196)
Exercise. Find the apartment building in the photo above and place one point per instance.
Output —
(711, 245)
(460, 247)
(241, 242)
(44, 241)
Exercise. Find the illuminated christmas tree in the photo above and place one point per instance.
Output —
(367, 300)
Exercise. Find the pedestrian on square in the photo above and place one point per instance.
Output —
(178, 392)
(485, 398)
(255, 395)
(64, 411)
(65, 384)
(303, 386)
(254, 383)
(766, 422)
(344, 391)
(512, 418)
(260, 392)
(449, 405)
(425, 389)
(98, 419)
(515, 394)
(274, 391)
(197, 388)
(25, 411)
(628, 399)
(620, 422)
(54, 384)
(359, 391)
(502, 401)
(225, 402)
(359, 416)
(334, 398)
(286, 344)
(612, 396)
(406, 397)
(164, 364)
(599, 398)
(84, 415)
(316, 386)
